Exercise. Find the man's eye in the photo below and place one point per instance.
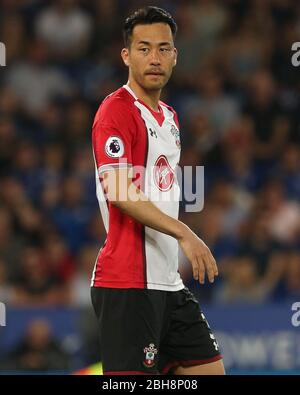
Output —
(144, 49)
(165, 49)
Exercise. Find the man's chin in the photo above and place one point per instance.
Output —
(154, 85)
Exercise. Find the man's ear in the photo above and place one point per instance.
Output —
(125, 56)
(175, 58)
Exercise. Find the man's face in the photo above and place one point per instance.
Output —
(151, 55)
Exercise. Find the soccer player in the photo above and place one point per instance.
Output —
(150, 323)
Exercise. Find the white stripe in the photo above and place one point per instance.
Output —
(113, 166)
(103, 209)
(102, 201)
(94, 270)
(161, 250)
(130, 91)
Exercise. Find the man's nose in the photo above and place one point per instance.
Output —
(155, 59)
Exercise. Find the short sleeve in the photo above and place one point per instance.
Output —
(113, 138)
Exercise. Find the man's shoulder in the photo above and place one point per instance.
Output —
(118, 99)
(118, 104)
(170, 109)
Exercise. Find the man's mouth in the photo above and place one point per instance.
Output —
(154, 73)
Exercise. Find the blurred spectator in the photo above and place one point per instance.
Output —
(36, 284)
(50, 196)
(244, 53)
(84, 166)
(65, 28)
(218, 109)
(257, 241)
(38, 351)
(10, 245)
(107, 22)
(13, 35)
(289, 287)
(201, 25)
(8, 138)
(81, 282)
(60, 262)
(270, 125)
(6, 291)
(209, 18)
(287, 171)
(89, 330)
(244, 284)
(283, 215)
(54, 161)
(29, 222)
(78, 121)
(9, 104)
(35, 82)
(71, 215)
(234, 207)
(25, 168)
(187, 42)
(286, 33)
(292, 277)
(237, 149)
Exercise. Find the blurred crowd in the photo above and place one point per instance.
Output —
(237, 97)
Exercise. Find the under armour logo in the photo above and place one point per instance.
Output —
(153, 133)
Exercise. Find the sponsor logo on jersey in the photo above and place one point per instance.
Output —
(163, 174)
(150, 353)
(114, 147)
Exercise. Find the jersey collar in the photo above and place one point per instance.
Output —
(158, 115)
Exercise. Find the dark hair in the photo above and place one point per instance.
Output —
(147, 16)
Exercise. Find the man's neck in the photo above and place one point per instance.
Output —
(151, 98)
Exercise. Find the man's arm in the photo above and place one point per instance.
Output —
(124, 194)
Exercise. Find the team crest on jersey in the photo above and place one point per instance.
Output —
(150, 353)
(163, 174)
(114, 147)
(176, 135)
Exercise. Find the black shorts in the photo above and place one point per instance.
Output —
(144, 331)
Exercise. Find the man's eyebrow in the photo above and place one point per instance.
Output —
(148, 43)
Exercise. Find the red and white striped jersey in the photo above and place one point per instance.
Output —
(126, 132)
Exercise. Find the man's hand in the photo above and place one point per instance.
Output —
(199, 256)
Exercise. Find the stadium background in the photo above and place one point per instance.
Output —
(237, 96)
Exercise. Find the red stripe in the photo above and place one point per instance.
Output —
(175, 364)
(143, 237)
(118, 262)
(133, 372)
